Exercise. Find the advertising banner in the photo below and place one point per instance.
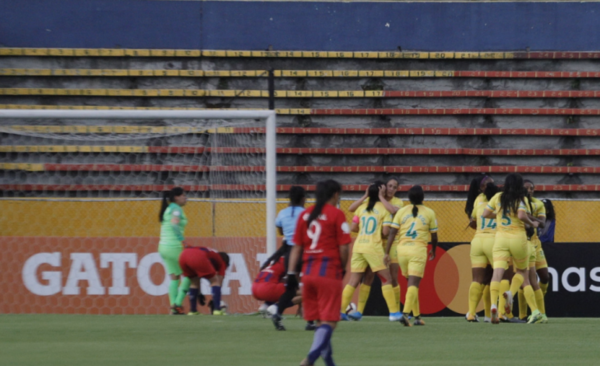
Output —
(574, 288)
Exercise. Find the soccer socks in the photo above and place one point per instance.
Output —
(517, 282)
(411, 296)
(216, 297)
(347, 297)
(390, 298)
(474, 297)
(539, 300)
(416, 310)
(327, 355)
(504, 286)
(487, 301)
(173, 286)
(494, 292)
(363, 296)
(193, 296)
(183, 289)
(530, 297)
(321, 341)
(544, 287)
(397, 295)
(522, 305)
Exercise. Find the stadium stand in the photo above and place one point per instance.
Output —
(436, 118)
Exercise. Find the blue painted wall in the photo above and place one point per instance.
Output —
(328, 26)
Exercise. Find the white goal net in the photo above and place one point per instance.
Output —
(80, 196)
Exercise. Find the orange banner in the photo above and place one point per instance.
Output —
(111, 275)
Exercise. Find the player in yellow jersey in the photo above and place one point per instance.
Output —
(392, 204)
(482, 244)
(538, 213)
(414, 225)
(374, 221)
(510, 209)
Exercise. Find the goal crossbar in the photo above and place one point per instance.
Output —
(268, 115)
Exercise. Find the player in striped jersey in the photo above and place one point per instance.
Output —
(392, 205)
(207, 263)
(321, 239)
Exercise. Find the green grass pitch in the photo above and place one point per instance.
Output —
(85, 340)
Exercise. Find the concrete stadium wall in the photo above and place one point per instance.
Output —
(301, 25)
(311, 141)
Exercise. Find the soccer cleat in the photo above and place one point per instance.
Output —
(193, 313)
(509, 302)
(516, 320)
(495, 319)
(344, 317)
(394, 317)
(419, 321)
(276, 319)
(177, 310)
(504, 319)
(536, 317)
(404, 320)
(544, 319)
(472, 319)
(487, 320)
(218, 312)
(310, 326)
(357, 315)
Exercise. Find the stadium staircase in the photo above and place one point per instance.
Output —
(431, 118)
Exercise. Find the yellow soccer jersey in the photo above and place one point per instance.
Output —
(539, 210)
(510, 224)
(415, 229)
(485, 227)
(369, 239)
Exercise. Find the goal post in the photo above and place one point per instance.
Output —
(269, 116)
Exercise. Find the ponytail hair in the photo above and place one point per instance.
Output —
(373, 196)
(513, 193)
(474, 190)
(416, 196)
(168, 198)
(297, 194)
(550, 214)
(325, 191)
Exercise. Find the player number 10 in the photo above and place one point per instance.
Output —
(368, 225)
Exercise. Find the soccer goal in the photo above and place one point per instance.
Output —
(81, 191)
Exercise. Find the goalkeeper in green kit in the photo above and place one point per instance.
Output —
(173, 222)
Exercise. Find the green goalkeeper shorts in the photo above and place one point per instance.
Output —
(170, 255)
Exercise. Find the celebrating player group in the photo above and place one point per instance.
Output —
(309, 267)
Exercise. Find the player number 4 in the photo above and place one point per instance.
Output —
(412, 233)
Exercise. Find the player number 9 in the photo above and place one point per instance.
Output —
(314, 232)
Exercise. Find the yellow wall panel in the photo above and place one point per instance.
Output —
(235, 219)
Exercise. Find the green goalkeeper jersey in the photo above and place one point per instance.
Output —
(171, 234)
